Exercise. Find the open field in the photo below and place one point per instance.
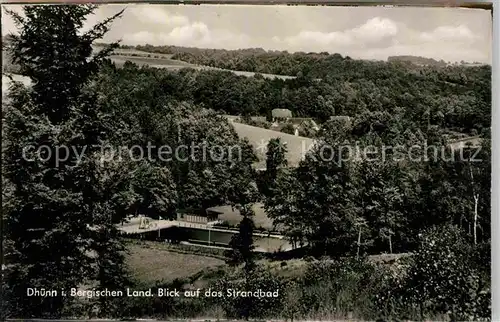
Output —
(166, 62)
(153, 62)
(135, 52)
(151, 264)
(297, 146)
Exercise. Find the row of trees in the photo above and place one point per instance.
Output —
(452, 96)
(340, 203)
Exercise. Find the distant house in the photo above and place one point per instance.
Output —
(198, 216)
(281, 114)
(461, 143)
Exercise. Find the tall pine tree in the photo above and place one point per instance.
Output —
(59, 231)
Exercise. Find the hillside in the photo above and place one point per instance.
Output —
(166, 60)
(276, 62)
(420, 61)
(297, 146)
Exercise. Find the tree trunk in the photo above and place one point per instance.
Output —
(359, 242)
(390, 244)
(476, 202)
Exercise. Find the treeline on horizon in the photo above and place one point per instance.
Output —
(244, 59)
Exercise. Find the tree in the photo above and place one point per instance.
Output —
(380, 202)
(275, 157)
(325, 204)
(57, 206)
(477, 176)
(282, 208)
(360, 224)
(242, 243)
(69, 52)
(275, 161)
(457, 192)
(288, 129)
(155, 189)
(444, 278)
(316, 201)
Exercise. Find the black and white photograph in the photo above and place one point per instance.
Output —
(246, 162)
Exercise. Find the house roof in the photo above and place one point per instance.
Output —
(473, 141)
(6, 82)
(281, 112)
(297, 146)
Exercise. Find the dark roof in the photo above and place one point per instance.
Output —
(281, 112)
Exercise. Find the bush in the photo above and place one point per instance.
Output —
(288, 128)
(442, 279)
(337, 288)
(251, 307)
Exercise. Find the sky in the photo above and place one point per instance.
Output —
(451, 34)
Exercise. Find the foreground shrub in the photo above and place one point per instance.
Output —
(251, 307)
(338, 288)
(442, 278)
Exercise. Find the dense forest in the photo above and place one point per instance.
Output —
(437, 210)
(452, 98)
